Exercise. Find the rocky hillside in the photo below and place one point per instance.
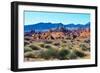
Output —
(58, 34)
(57, 44)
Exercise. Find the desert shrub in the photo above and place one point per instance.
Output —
(63, 54)
(26, 49)
(72, 41)
(88, 49)
(48, 54)
(57, 44)
(48, 46)
(70, 47)
(87, 41)
(78, 40)
(34, 47)
(63, 45)
(74, 36)
(68, 38)
(29, 55)
(83, 47)
(79, 53)
(48, 42)
(33, 54)
(42, 45)
(72, 55)
(26, 42)
(64, 41)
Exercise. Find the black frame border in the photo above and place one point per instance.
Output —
(14, 35)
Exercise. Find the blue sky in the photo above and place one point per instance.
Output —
(33, 17)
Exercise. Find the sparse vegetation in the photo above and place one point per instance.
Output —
(42, 45)
(34, 47)
(26, 49)
(29, 55)
(49, 54)
(48, 46)
(57, 44)
(63, 54)
(79, 53)
(48, 42)
(61, 46)
(72, 56)
(83, 47)
(87, 40)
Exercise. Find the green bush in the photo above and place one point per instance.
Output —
(26, 42)
(83, 47)
(88, 49)
(79, 53)
(57, 44)
(34, 47)
(70, 47)
(72, 55)
(63, 45)
(42, 45)
(26, 49)
(48, 42)
(48, 46)
(63, 54)
(48, 54)
(64, 41)
(29, 55)
(87, 41)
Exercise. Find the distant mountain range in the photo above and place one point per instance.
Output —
(47, 26)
